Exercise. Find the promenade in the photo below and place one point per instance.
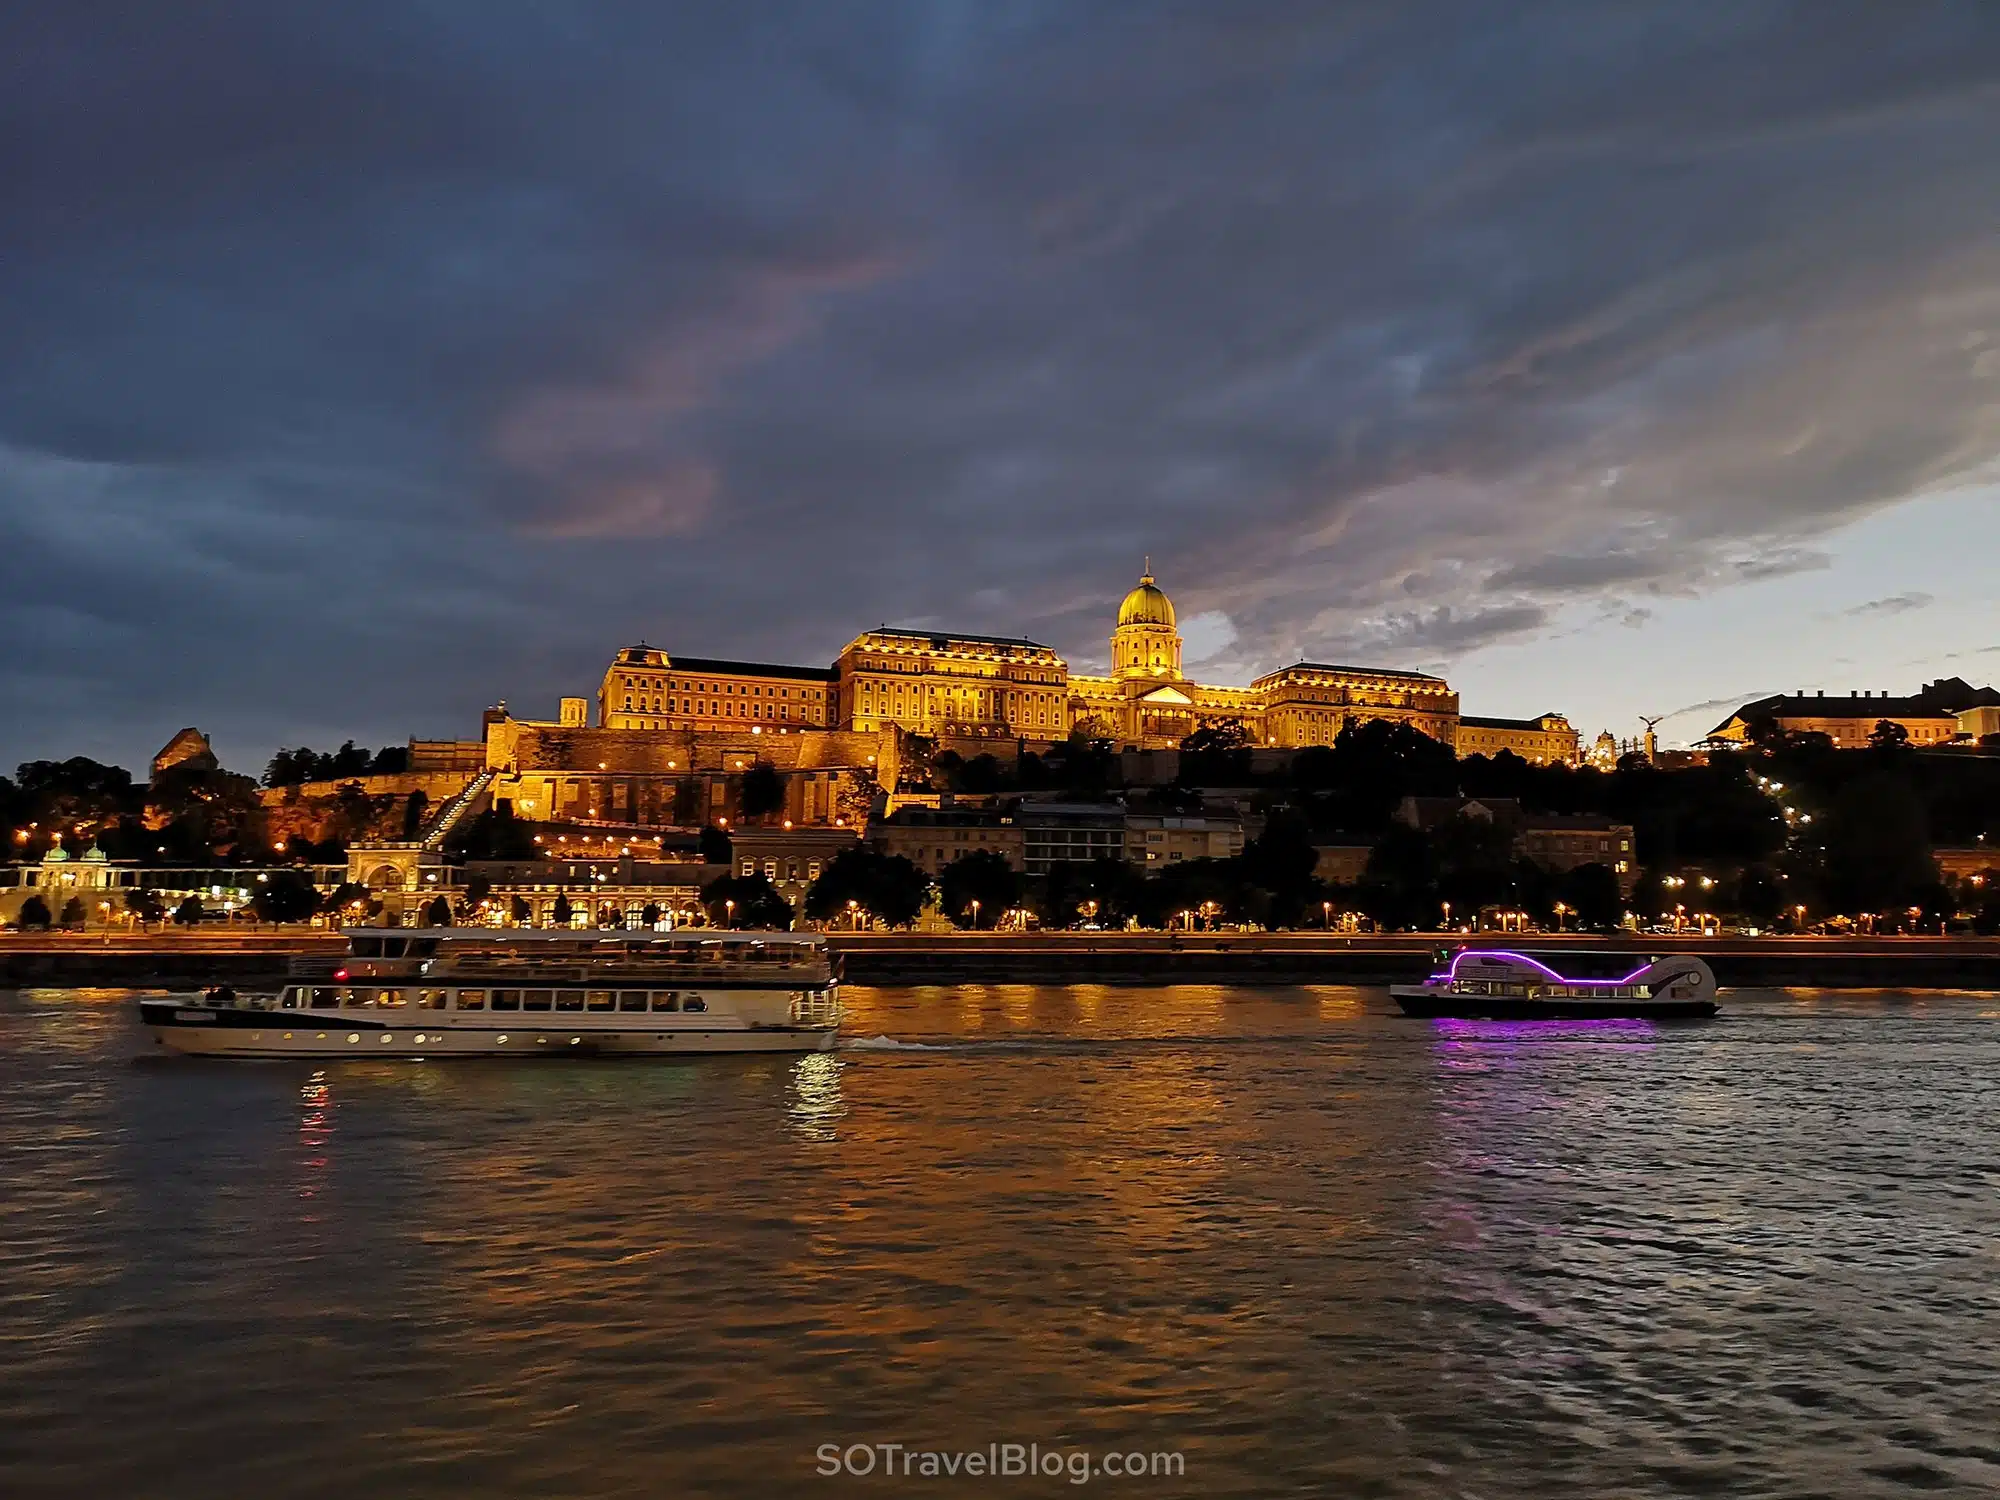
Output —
(260, 955)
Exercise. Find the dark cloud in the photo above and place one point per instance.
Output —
(360, 365)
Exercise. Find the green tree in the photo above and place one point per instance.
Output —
(649, 914)
(562, 913)
(190, 913)
(413, 814)
(763, 791)
(145, 905)
(73, 912)
(746, 901)
(715, 846)
(34, 914)
(982, 876)
(522, 913)
(438, 913)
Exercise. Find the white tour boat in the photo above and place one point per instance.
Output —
(1499, 985)
(512, 992)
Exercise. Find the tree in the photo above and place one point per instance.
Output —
(745, 901)
(609, 916)
(494, 834)
(413, 814)
(190, 913)
(715, 846)
(1760, 895)
(438, 913)
(522, 913)
(1592, 892)
(145, 905)
(390, 760)
(35, 914)
(1216, 755)
(1878, 849)
(477, 889)
(763, 791)
(983, 876)
(854, 802)
(649, 914)
(284, 896)
(1889, 735)
(562, 913)
(73, 912)
(351, 902)
(886, 886)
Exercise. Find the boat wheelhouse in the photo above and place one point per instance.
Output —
(1492, 984)
(494, 992)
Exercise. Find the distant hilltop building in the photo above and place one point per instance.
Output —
(1547, 741)
(189, 750)
(1949, 709)
(956, 685)
(678, 738)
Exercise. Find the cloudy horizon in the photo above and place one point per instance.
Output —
(366, 367)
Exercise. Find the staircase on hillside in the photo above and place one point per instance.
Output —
(467, 803)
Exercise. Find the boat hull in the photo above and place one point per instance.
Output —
(205, 1031)
(1434, 1005)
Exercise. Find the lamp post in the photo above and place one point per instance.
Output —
(1447, 916)
(975, 914)
(1326, 915)
(729, 913)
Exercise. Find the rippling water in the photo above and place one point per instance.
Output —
(1310, 1246)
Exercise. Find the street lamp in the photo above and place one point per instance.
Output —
(729, 913)
(1447, 916)
(1326, 914)
(975, 914)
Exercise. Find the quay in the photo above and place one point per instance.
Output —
(176, 959)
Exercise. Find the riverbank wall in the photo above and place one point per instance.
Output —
(174, 961)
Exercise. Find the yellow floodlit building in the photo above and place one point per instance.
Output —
(954, 685)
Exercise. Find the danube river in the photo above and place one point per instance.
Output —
(1302, 1244)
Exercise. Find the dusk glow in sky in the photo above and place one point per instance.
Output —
(361, 365)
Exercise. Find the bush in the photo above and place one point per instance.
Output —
(35, 914)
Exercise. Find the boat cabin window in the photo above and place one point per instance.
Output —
(534, 999)
(393, 998)
(631, 999)
(367, 947)
(569, 999)
(694, 1002)
(506, 999)
(472, 999)
(597, 1000)
(666, 999)
(423, 947)
(324, 997)
(431, 999)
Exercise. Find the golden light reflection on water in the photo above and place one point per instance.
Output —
(1282, 1231)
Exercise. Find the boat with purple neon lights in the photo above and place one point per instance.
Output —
(1493, 984)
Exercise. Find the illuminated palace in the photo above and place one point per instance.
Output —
(951, 685)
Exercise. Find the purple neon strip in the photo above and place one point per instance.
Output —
(1537, 963)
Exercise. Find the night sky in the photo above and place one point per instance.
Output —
(361, 365)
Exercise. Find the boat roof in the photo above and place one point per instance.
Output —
(601, 934)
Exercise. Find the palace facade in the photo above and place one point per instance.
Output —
(957, 686)
(679, 741)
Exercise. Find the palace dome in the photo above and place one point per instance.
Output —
(1147, 604)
